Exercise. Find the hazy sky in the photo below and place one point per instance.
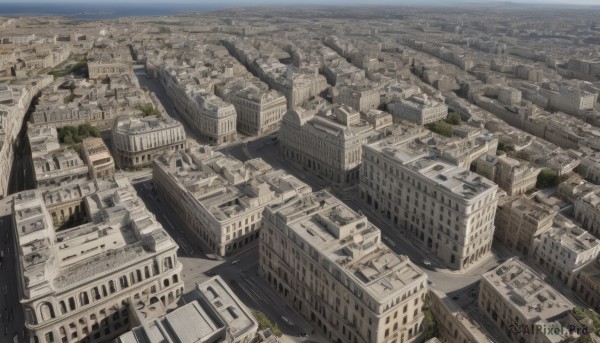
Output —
(296, 2)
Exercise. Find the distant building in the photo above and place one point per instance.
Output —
(103, 63)
(330, 263)
(513, 294)
(212, 313)
(420, 109)
(74, 285)
(137, 141)
(99, 160)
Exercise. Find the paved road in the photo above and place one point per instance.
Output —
(11, 321)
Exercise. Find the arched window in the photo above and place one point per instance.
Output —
(46, 311)
(63, 307)
(111, 286)
(83, 298)
(71, 303)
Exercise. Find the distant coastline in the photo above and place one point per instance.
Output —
(101, 11)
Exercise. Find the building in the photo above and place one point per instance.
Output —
(330, 263)
(105, 62)
(572, 100)
(258, 112)
(519, 221)
(564, 249)
(137, 141)
(327, 143)
(454, 325)
(587, 285)
(362, 97)
(444, 208)
(58, 167)
(513, 176)
(587, 211)
(513, 294)
(75, 284)
(97, 157)
(420, 109)
(220, 198)
(212, 313)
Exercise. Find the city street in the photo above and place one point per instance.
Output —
(11, 314)
(241, 275)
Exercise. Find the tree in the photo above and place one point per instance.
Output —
(430, 327)
(504, 147)
(440, 127)
(453, 119)
(547, 178)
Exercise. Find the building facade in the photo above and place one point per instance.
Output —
(446, 209)
(258, 112)
(519, 221)
(420, 109)
(513, 294)
(97, 157)
(220, 198)
(331, 264)
(137, 141)
(328, 143)
(211, 313)
(75, 284)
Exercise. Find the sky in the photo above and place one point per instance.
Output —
(296, 2)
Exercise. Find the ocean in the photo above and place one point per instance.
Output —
(101, 11)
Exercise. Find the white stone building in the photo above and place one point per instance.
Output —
(137, 141)
(75, 284)
(331, 264)
(446, 209)
(220, 198)
(420, 109)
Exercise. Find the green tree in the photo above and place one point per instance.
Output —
(430, 326)
(453, 119)
(68, 139)
(547, 178)
(440, 127)
(505, 147)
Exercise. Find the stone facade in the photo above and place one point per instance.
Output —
(220, 198)
(99, 160)
(328, 143)
(519, 221)
(331, 264)
(211, 313)
(75, 285)
(513, 293)
(258, 112)
(444, 208)
(420, 109)
(513, 176)
(137, 141)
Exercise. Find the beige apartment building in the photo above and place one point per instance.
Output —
(105, 62)
(519, 221)
(328, 143)
(330, 263)
(137, 141)
(444, 208)
(513, 176)
(587, 284)
(97, 157)
(361, 98)
(564, 249)
(76, 284)
(258, 112)
(220, 198)
(420, 109)
(514, 294)
(210, 313)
